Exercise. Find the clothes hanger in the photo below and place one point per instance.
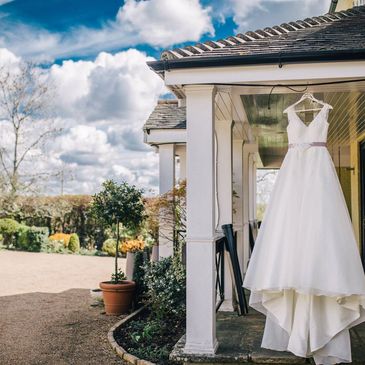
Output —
(310, 97)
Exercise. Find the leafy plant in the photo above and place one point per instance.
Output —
(167, 211)
(118, 204)
(109, 246)
(139, 271)
(118, 276)
(122, 202)
(8, 229)
(153, 334)
(38, 238)
(74, 244)
(55, 247)
(22, 241)
(166, 288)
(33, 239)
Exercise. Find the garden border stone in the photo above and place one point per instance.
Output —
(120, 351)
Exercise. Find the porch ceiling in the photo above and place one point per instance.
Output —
(347, 120)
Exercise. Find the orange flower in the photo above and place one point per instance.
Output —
(133, 245)
(64, 237)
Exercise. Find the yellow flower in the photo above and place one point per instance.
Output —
(133, 245)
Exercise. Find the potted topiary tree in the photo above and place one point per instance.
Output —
(115, 205)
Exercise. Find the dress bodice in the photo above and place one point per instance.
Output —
(316, 131)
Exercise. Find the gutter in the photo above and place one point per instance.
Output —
(275, 58)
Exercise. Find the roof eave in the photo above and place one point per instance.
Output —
(277, 58)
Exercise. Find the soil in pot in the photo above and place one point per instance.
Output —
(118, 297)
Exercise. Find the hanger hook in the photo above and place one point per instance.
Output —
(268, 100)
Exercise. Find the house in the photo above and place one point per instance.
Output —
(228, 121)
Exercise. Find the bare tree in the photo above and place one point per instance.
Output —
(25, 126)
(66, 173)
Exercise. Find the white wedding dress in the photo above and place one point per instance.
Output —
(305, 273)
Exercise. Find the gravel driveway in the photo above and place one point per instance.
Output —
(45, 312)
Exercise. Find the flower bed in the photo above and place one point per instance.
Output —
(151, 333)
(147, 339)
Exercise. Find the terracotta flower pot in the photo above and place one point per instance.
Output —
(117, 297)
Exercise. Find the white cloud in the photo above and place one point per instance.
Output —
(165, 22)
(3, 2)
(246, 13)
(101, 105)
(119, 87)
(8, 58)
(160, 23)
(124, 173)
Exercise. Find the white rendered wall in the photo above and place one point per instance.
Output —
(200, 252)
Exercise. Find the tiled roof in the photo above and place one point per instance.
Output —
(167, 115)
(340, 31)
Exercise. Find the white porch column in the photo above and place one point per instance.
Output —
(182, 155)
(249, 196)
(223, 130)
(200, 255)
(252, 187)
(166, 183)
(238, 197)
(166, 153)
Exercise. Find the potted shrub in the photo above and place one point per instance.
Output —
(118, 205)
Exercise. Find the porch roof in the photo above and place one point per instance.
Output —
(166, 115)
(330, 37)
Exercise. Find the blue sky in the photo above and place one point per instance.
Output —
(94, 52)
(64, 18)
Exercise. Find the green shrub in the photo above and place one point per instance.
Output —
(166, 288)
(139, 271)
(33, 239)
(8, 229)
(22, 237)
(37, 238)
(53, 246)
(109, 246)
(74, 243)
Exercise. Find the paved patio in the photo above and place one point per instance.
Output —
(239, 340)
(44, 319)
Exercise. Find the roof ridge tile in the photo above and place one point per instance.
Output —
(268, 32)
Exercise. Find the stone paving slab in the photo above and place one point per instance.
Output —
(239, 340)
